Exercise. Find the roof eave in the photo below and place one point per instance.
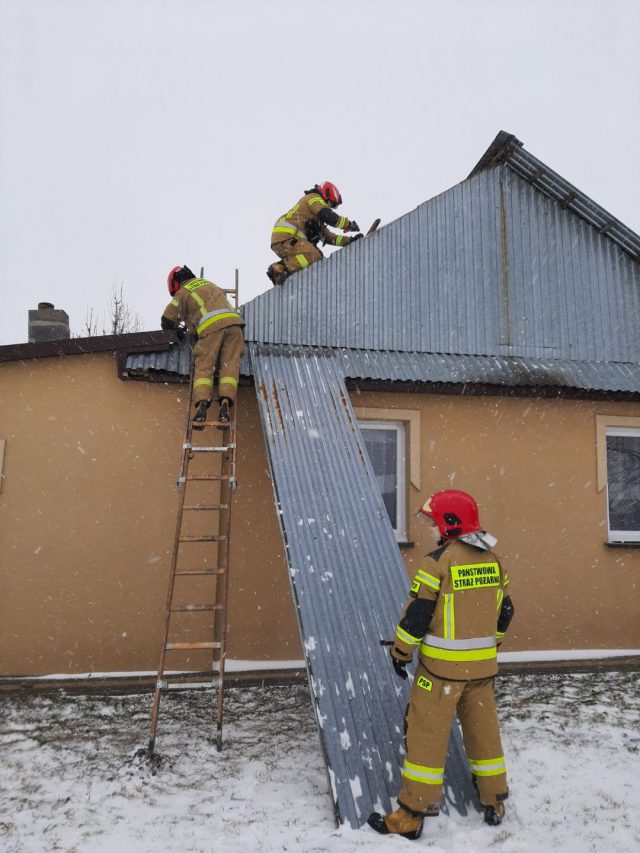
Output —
(130, 342)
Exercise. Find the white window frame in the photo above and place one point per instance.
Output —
(401, 532)
(619, 535)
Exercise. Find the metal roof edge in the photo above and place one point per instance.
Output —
(507, 149)
(500, 149)
(486, 371)
(131, 342)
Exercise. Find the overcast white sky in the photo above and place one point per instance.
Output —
(140, 134)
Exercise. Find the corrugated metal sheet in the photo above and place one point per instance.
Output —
(176, 359)
(493, 266)
(506, 148)
(490, 370)
(347, 577)
(568, 292)
(433, 367)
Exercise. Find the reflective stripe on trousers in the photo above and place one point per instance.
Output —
(426, 775)
(487, 766)
(228, 380)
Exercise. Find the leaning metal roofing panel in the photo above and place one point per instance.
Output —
(347, 577)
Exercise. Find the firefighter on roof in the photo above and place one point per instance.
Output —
(296, 234)
(457, 613)
(206, 312)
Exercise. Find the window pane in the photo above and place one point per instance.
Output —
(381, 446)
(623, 482)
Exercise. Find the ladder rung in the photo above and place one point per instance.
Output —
(191, 685)
(206, 477)
(211, 538)
(228, 289)
(207, 506)
(202, 572)
(222, 449)
(180, 647)
(195, 608)
(218, 424)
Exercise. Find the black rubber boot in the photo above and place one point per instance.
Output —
(201, 414)
(493, 814)
(225, 411)
(403, 823)
(275, 276)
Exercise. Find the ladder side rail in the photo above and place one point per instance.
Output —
(174, 563)
(226, 493)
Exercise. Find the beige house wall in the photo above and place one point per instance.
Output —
(532, 465)
(88, 500)
(87, 518)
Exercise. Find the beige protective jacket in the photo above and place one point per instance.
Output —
(294, 223)
(452, 614)
(203, 307)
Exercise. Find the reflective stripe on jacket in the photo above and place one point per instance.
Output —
(293, 223)
(202, 306)
(462, 587)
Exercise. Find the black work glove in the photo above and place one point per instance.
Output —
(353, 226)
(357, 237)
(400, 666)
(181, 332)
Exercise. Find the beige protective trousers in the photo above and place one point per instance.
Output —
(224, 348)
(432, 704)
(296, 255)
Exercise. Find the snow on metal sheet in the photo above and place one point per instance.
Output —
(347, 578)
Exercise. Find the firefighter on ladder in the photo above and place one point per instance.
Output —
(295, 235)
(457, 613)
(206, 312)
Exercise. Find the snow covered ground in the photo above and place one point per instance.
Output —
(67, 780)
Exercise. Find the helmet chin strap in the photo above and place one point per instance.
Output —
(434, 532)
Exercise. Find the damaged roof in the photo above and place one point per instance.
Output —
(511, 278)
(513, 261)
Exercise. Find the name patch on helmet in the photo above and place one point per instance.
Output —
(425, 683)
(475, 575)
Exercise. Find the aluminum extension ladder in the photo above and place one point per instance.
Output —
(200, 559)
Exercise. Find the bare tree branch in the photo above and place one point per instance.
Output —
(121, 318)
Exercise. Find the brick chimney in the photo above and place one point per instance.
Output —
(48, 323)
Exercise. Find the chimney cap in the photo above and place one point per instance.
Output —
(43, 305)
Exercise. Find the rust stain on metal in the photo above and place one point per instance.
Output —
(276, 403)
(353, 424)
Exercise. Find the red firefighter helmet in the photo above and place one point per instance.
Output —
(455, 513)
(330, 193)
(172, 284)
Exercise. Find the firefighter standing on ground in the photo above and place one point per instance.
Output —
(206, 312)
(295, 235)
(457, 613)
